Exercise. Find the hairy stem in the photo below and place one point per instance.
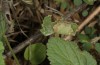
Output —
(8, 44)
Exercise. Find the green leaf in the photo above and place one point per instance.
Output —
(85, 13)
(77, 2)
(64, 3)
(74, 26)
(35, 53)
(87, 46)
(89, 60)
(64, 28)
(97, 47)
(1, 55)
(61, 52)
(90, 2)
(83, 38)
(89, 30)
(2, 25)
(47, 26)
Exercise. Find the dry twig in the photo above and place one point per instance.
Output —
(22, 45)
(88, 19)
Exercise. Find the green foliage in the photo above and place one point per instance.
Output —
(64, 3)
(60, 27)
(97, 47)
(90, 2)
(2, 25)
(88, 39)
(62, 52)
(65, 28)
(35, 53)
(74, 26)
(77, 2)
(85, 13)
(47, 26)
(83, 38)
(88, 59)
(1, 56)
(90, 30)
(87, 46)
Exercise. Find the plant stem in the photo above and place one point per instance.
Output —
(8, 44)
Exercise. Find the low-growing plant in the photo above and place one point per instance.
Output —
(58, 50)
(61, 52)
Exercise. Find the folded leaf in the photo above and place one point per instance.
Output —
(61, 52)
(47, 26)
(65, 28)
